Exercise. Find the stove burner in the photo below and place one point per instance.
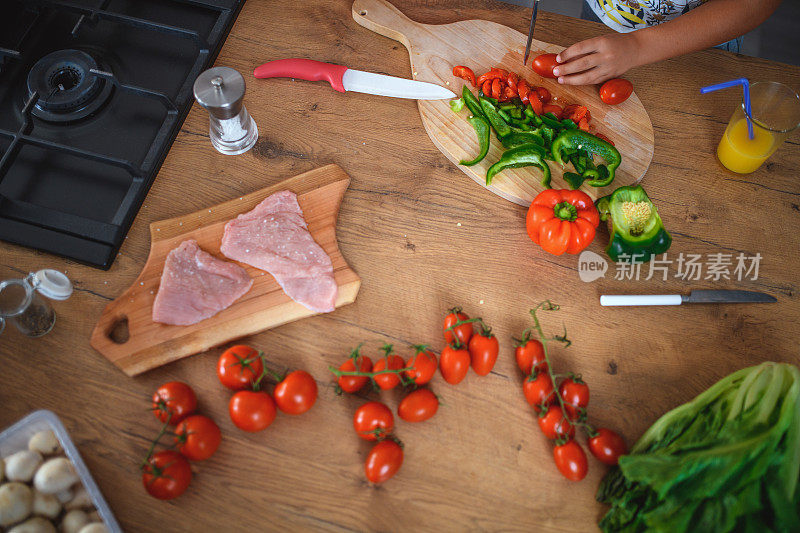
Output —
(67, 90)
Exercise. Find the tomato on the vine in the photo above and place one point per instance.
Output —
(383, 461)
(529, 354)
(454, 364)
(539, 389)
(607, 446)
(174, 401)
(296, 393)
(418, 406)
(544, 64)
(554, 424)
(373, 420)
(252, 410)
(197, 437)
(354, 383)
(239, 367)
(575, 394)
(463, 332)
(483, 350)
(422, 365)
(166, 475)
(616, 91)
(571, 460)
(389, 361)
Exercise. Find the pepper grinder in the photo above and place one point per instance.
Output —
(231, 128)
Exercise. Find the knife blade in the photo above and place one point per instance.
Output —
(695, 297)
(530, 32)
(344, 79)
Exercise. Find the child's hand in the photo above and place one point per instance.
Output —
(598, 59)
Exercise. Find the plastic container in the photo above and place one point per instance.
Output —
(15, 438)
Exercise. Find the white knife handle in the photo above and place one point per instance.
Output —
(640, 299)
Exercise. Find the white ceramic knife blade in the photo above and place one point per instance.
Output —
(695, 297)
(383, 85)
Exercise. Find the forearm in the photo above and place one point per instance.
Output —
(713, 23)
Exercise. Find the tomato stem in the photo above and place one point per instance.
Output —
(153, 444)
(264, 371)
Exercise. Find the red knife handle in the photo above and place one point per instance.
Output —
(304, 69)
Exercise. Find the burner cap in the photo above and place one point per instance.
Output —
(67, 90)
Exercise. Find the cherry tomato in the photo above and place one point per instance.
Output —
(615, 91)
(174, 401)
(239, 367)
(512, 80)
(489, 76)
(454, 364)
(252, 410)
(197, 437)
(554, 425)
(571, 460)
(486, 88)
(297, 393)
(575, 112)
(383, 461)
(483, 350)
(583, 124)
(462, 332)
(539, 390)
(465, 73)
(509, 93)
(373, 420)
(607, 446)
(535, 103)
(544, 64)
(418, 406)
(422, 366)
(554, 109)
(522, 90)
(497, 88)
(166, 475)
(544, 94)
(503, 73)
(388, 362)
(354, 383)
(575, 394)
(528, 354)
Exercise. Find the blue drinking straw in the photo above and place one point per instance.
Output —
(745, 89)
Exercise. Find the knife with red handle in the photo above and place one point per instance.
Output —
(344, 79)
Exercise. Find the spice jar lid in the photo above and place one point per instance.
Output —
(53, 284)
(220, 90)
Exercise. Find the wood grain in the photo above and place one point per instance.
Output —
(423, 238)
(147, 344)
(481, 44)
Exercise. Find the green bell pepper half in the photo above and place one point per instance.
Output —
(637, 230)
(522, 156)
(581, 140)
(482, 128)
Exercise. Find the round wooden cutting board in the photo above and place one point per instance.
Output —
(480, 45)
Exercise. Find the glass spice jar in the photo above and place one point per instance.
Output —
(24, 302)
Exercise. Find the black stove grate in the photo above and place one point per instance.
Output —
(86, 240)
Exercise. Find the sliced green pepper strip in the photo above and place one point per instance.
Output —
(506, 107)
(471, 102)
(568, 124)
(548, 134)
(499, 125)
(551, 120)
(530, 112)
(527, 137)
(505, 115)
(582, 140)
(524, 127)
(522, 156)
(457, 105)
(515, 113)
(637, 230)
(482, 128)
(573, 180)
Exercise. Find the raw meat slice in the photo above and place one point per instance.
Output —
(196, 285)
(274, 237)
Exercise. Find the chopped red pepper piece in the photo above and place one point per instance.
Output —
(583, 124)
(465, 73)
(544, 94)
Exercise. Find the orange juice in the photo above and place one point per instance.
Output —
(741, 154)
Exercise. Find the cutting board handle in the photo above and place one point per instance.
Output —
(382, 17)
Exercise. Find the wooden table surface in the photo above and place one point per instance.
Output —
(423, 237)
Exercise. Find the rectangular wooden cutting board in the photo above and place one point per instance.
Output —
(480, 44)
(126, 333)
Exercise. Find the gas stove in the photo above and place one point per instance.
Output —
(92, 94)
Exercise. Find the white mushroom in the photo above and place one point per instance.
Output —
(20, 466)
(73, 521)
(2, 468)
(94, 516)
(55, 475)
(44, 442)
(16, 500)
(64, 496)
(80, 500)
(45, 505)
(37, 524)
(94, 527)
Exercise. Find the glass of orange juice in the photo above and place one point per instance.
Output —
(775, 113)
